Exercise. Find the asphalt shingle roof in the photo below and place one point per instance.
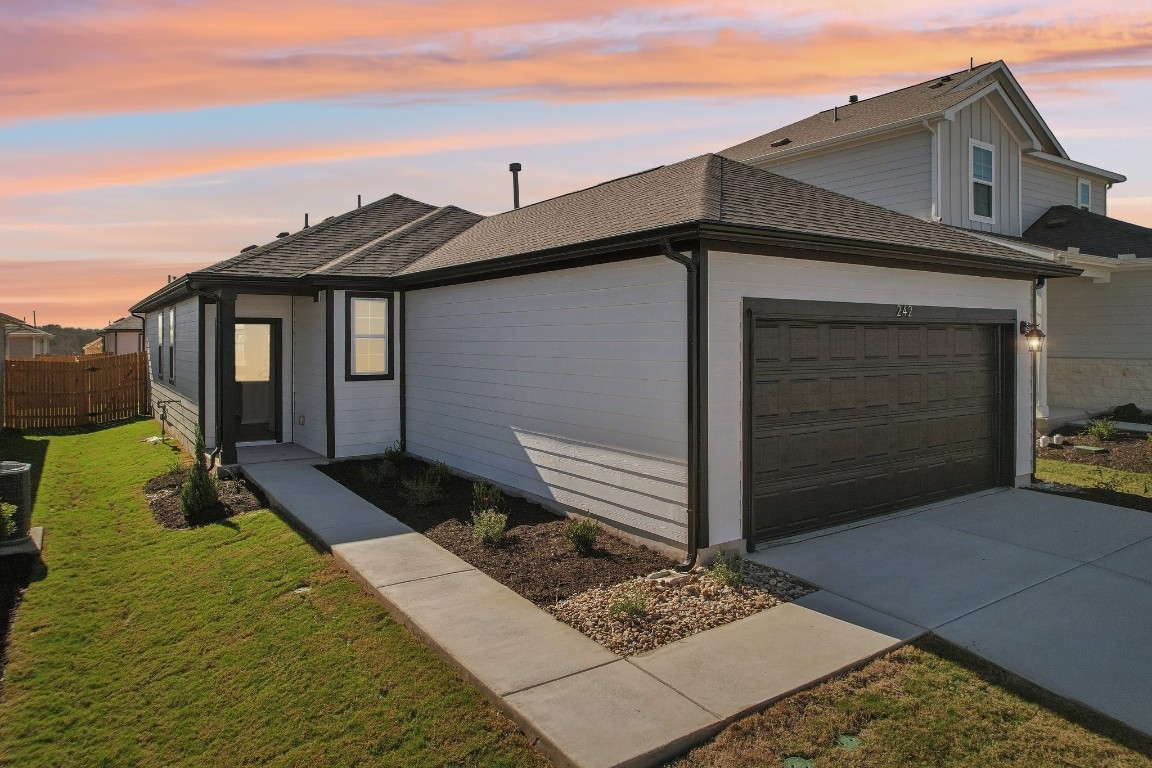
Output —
(395, 250)
(130, 323)
(1066, 226)
(916, 101)
(709, 188)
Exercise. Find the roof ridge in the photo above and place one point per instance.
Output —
(392, 234)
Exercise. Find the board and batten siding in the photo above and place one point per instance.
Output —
(734, 276)
(895, 172)
(175, 403)
(309, 373)
(569, 386)
(981, 122)
(367, 412)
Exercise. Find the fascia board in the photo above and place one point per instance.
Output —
(816, 146)
(1084, 168)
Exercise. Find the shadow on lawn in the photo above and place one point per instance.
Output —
(16, 573)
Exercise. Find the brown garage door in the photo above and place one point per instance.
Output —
(857, 418)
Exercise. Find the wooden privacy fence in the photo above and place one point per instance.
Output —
(54, 392)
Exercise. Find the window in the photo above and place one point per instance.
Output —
(983, 178)
(368, 342)
(159, 345)
(171, 344)
(1084, 194)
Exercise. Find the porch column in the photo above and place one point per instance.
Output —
(229, 407)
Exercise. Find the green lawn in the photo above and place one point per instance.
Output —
(141, 646)
(1087, 476)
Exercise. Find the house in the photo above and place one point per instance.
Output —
(23, 341)
(970, 150)
(122, 337)
(7, 323)
(95, 347)
(702, 354)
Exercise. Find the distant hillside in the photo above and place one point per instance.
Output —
(68, 341)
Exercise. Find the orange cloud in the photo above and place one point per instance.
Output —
(198, 55)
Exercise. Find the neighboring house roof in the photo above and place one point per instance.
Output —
(352, 239)
(9, 321)
(1066, 226)
(916, 102)
(705, 189)
(130, 323)
(21, 328)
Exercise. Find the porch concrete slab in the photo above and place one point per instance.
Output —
(837, 607)
(317, 501)
(1134, 560)
(1073, 528)
(740, 667)
(613, 715)
(500, 639)
(923, 573)
(259, 454)
(396, 558)
(1084, 635)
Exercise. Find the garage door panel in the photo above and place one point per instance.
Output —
(853, 419)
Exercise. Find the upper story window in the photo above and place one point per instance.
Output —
(983, 162)
(368, 336)
(1084, 194)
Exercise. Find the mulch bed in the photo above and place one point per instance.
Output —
(1128, 452)
(533, 558)
(163, 495)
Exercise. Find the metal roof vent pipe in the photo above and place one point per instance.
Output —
(515, 168)
(853, 99)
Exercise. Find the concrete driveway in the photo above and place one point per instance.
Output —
(1055, 589)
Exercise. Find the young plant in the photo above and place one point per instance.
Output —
(487, 496)
(631, 604)
(1101, 429)
(393, 453)
(488, 526)
(439, 473)
(8, 520)
(581, 534)
(199, 494)
(422, 489)
(379, 473)
(728, 569)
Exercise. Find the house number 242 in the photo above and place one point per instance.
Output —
(903, 310)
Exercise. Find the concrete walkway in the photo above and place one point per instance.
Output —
(1055, 589)
(583, 704)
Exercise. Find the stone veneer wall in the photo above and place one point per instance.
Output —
(1097, 384)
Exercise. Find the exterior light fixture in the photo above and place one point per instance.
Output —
(1035, 336)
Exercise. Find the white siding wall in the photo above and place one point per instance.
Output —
(895, 172)
(735, 276)
(175, 403)
(123, 342)
(308, 373)
(209, 362)
(1044, 187)
(570, 386)
(979, 121)
(1101, 320)
(367, 412)
(257, 306)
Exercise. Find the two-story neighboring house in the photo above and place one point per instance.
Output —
(970, 150)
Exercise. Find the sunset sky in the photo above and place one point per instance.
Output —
(142, 138)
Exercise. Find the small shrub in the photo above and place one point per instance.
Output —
(488, 526)
(581, 534)
(487, 496)
(423, 489)
(631, 604)
(8, 520)
(199, 494)
(393, 453)
(379, 472)
(1101, 429)
(439, 473)
(728, 569)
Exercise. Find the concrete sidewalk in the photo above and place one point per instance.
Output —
(583, 704)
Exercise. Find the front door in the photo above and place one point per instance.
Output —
(258, 380)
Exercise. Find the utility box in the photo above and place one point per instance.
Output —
(16, 488)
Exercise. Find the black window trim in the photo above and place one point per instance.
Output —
(348, 297)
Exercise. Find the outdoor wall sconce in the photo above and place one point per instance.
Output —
(1035, 336)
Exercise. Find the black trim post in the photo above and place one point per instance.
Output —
(229, 411)
(330, 372)
(402, 364)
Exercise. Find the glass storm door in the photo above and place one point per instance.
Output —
(258, 380)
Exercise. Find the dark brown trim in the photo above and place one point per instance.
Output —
(746, 370)
(851, 311)
(1007, 418)
(402, 310)
(330, 373)
(276, 332)
(227, 414)
(349, 375)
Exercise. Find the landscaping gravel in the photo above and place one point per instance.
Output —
(664, 610)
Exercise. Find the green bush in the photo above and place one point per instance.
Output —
(487, 496)
(488, 526)
(393, 453)
(728, 569)
(439, 473)
(199, 496)
(582, 534)
(628, 605)
(381, 472)
(423, 489)
(1101, 429)
(9, 522)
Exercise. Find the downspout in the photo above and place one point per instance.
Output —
(693, 294)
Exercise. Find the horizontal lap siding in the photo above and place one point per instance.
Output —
(895, 173)
(309, 391)
(1102, 320)
(176, 401)
(570, 386)
(732, 277)
(367, 412)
